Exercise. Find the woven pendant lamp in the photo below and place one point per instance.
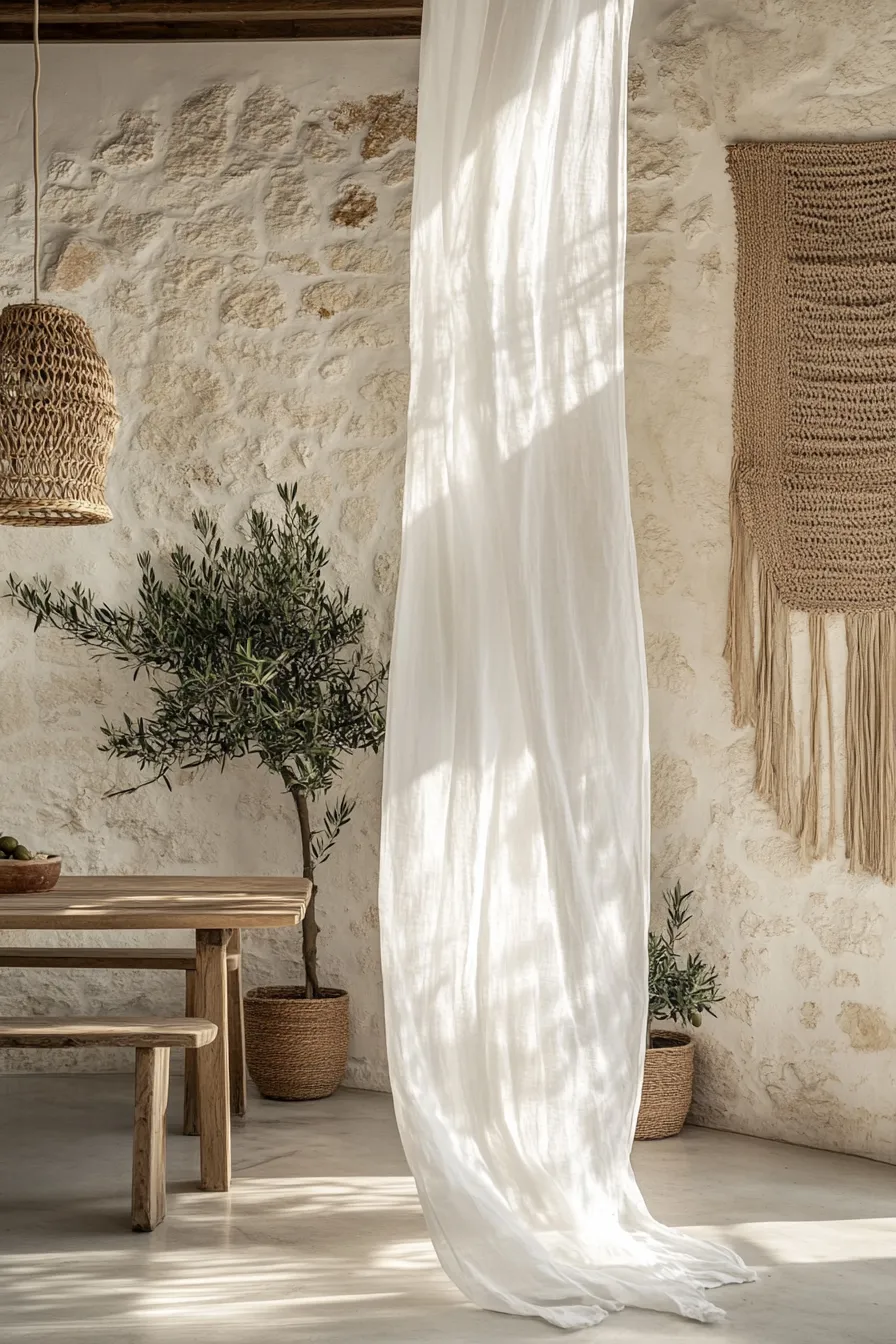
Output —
(57, 403)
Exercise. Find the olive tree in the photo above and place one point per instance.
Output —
(248, 651)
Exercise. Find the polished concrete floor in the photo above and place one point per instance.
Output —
(321, 1240)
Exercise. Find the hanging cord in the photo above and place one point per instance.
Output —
(36, 153)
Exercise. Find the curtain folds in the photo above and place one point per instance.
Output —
(514, 898)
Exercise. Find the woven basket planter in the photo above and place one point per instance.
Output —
(668, 1086)
(296, 1048)
(57, 419)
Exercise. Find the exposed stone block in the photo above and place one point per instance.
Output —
(637, 83)
(388, 117)
(358, 516)
(355, 207)
(13, 200)
(69, 205)
(393, 296)
(385, 572)
(331, 297)
(310, 412)
(866, 1027)
(377, 423)
(176, 332)
(260, 403)
(672, 784)
(167, 434)
(199, 134)
(667, 667)
(129, 232)
(317, 144)
(401, 219)
(299, 263)
(171, 196)
(186, 388)
(192, 277)
(135, 144)
(354, 256)
(649, 158)
(241, 163)
(399, 169)
(245, 264)
(360, 466)
(659, 554)
(78, 263)
(289, 209)
(131, 298)
(256, 305)
(66, 171)
(284, 359)
(334, 369)
(390, 388)
(268, 119)
(647, 315)
(221, 228)
(650, 211)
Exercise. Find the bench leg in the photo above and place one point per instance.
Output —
(236, 1031)
(150, 1108)
(191, 1100)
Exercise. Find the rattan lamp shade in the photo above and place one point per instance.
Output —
(57, 419)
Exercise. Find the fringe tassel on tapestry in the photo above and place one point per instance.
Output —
(813, 494)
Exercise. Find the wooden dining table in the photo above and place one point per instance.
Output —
(215, 908)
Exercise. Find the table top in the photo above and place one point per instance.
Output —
(131, 902)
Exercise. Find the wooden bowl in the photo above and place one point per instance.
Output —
(20, 876)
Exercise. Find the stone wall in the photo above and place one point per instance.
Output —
(238, 242)
(805, 1045)
(233, 223)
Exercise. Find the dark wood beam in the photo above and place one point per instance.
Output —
(210, 20)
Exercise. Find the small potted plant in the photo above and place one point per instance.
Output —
(681, 989)
(248, 651)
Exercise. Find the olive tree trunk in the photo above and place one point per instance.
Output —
(309, 923)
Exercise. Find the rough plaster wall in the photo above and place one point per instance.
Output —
(179, 228)
(805, 1045)
(233, 222)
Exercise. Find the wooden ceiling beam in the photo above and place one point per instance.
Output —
(210, 20)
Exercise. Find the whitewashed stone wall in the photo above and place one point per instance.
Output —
(210, 210)
(232, 220)
(805, 1045)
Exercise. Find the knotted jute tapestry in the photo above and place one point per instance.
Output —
(813, 488)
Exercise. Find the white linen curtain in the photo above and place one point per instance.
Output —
(514, 896)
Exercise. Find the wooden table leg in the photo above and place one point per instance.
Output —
(212, 1060)
(237, 1030)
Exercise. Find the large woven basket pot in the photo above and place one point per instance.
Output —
(668, 1086)
(296, 1048)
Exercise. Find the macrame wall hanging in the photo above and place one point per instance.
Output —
(813, 489)
(57, 401)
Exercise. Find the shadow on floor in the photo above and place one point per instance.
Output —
(322, 1240)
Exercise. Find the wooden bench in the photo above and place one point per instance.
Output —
(153, 1039)
(159, 959)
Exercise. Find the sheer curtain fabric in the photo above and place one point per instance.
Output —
(514, 896)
